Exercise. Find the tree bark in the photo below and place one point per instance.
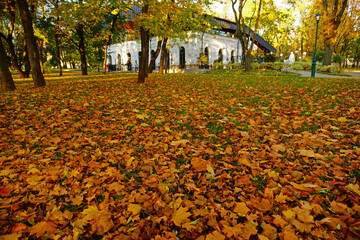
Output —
(108, 41)
(154, 57)
(57, 41)
(33, 52)
(333, 12)
(144, 35)
(327, 53)
(11, 6)
(81, 47)
(163, 56)
(7, 82)
(143, 66)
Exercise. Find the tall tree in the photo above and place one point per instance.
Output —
(9, 8)
(31, 44)
(332, 17)
(243, 30)
(7, 82)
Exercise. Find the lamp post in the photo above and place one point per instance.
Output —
(313, 68)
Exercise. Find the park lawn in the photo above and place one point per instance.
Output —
(187, 156)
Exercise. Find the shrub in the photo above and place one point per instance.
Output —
(326, 69)
(218, 65)
(255, 65)
(281, 60)
(338, 59)
(306, 65)
(269, 58)
(296, 66)
(319, 56)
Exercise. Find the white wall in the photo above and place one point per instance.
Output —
(192, 49)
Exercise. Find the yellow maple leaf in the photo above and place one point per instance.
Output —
(181, 215)
(289, 214)
(40, 228)
(307, 153)
(134, 208)
(215, 236)
(241, 209)
(281, 198)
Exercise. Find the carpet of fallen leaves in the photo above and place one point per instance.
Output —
(181, 157)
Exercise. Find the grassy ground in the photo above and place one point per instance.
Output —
(184, 156)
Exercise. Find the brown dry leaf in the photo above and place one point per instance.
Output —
(199, 164)
(40, 228)
(302, 227)
(289, 235)
(102, 224)
(278, 148)
(248, 230)
(281, 198)
(269, 231)
(215, 236)
(338, 207)
(18, 227)
(307, 153)
(232, 231)
(181, 215)
(241, 209)
(288, 214)
(278, 221)
(135, 209)
(13, 236)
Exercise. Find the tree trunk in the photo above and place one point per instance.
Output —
(33, 52)
(26, 61)
(162, 56)
(105, 57)
(109, 40)
(247, 56)
(167, 57)
(57, 41)
(143, 66)
(15, 62)
(154, 57)
(58, 58)
(144, 35)
(81, 47)
(327, 53)
(7, 82)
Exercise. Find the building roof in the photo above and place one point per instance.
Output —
(230, 26)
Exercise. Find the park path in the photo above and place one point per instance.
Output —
(349, 74)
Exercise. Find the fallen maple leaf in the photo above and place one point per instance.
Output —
(4, 191)
(241, 209)
(40, 228)
(181, 215)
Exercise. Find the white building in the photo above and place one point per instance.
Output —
(223, 47)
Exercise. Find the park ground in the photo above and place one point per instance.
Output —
(183, 156)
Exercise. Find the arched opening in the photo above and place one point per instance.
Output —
(182, 60)
(221, 56)
(153, 56)
(206, 53)
(128, 63)
(232, 59)
(109, 59)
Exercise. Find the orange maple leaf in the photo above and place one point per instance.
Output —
(181, 215)
(40, 228)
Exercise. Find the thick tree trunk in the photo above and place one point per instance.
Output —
(143, 67)
(247, 61)
(154, 57)
(81, 47)
(15, 62)
(162, 56)
(327, 53)
(33, 52)
(7, 82)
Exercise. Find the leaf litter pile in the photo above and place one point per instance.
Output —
(181, 157)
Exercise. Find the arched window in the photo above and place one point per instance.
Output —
(109, 59)
(119, 59)
(182, 60)
(221, 56)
